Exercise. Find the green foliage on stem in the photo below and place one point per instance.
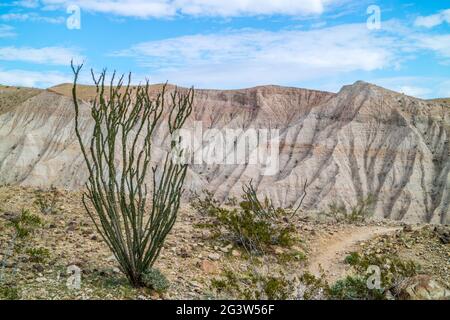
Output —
(133, 223)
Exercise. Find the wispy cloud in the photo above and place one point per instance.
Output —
(439, 44)
(417, 86)
(248, 57)
(45, 55)
(170, 8)
(6, 31)
(433, 20)
(30, 4)
(32, 78)
(33, 17)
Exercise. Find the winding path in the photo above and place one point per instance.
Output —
(329, 254)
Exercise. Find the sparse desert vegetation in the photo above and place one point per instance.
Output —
(201, 259)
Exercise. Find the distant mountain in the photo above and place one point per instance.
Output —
(442, 100)
(364, 140)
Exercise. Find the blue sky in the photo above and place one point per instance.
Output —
(227, 44)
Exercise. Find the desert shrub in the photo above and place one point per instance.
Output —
(352, 258)
(9, 292)
(155, 280)
(349, 288)
(393, 269)
(253, 232)
(254, 285)
(312, 287)
(133, 220)
(38, 255)
(358, 213)
(25, 223)
(47, 201)
(354, 288)
(252, 225)
(277, 288)
(206, 204)
(265, 209)
(287, 257)
(231, 202)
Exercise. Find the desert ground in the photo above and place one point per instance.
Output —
(201, 262)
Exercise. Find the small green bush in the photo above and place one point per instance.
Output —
(248, 225)
(206, 205)
(25, 223)
(277, 288)
(352, 258)
(287, 257)
(155, 280)
(393, 269)
(253, 285)
(354, 288)
(359, 213)
(255, 233)
(38, 255)
(9, 292)
(315, 287)
(47, 201)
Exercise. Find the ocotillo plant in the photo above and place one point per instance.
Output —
(125, 117)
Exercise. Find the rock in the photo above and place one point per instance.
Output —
(407, 228)
(443, 233)
(38, 268)
(10, 216)
(155, 295)
(116, 270)
(184, 253)
(72, 226)
(214, 256)
(278, 250)
(235, 253)
(205, 234)
(207, 266)
(227, 248)
(423, 287)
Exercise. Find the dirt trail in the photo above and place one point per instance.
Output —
(330, 252)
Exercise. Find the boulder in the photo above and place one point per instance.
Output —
(208, 266)
(423, 287)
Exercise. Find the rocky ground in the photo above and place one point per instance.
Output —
(196, 259)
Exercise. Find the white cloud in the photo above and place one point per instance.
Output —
(437, 43)
(414, 91)
(45, 55)
(413, 40)
(32, 78)
(433, 20)
(249, 57)
(417, 86)
(6, 31)
(30, 4)
(30, 17)
(223, 8)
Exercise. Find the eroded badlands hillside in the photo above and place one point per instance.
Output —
(362, 141)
